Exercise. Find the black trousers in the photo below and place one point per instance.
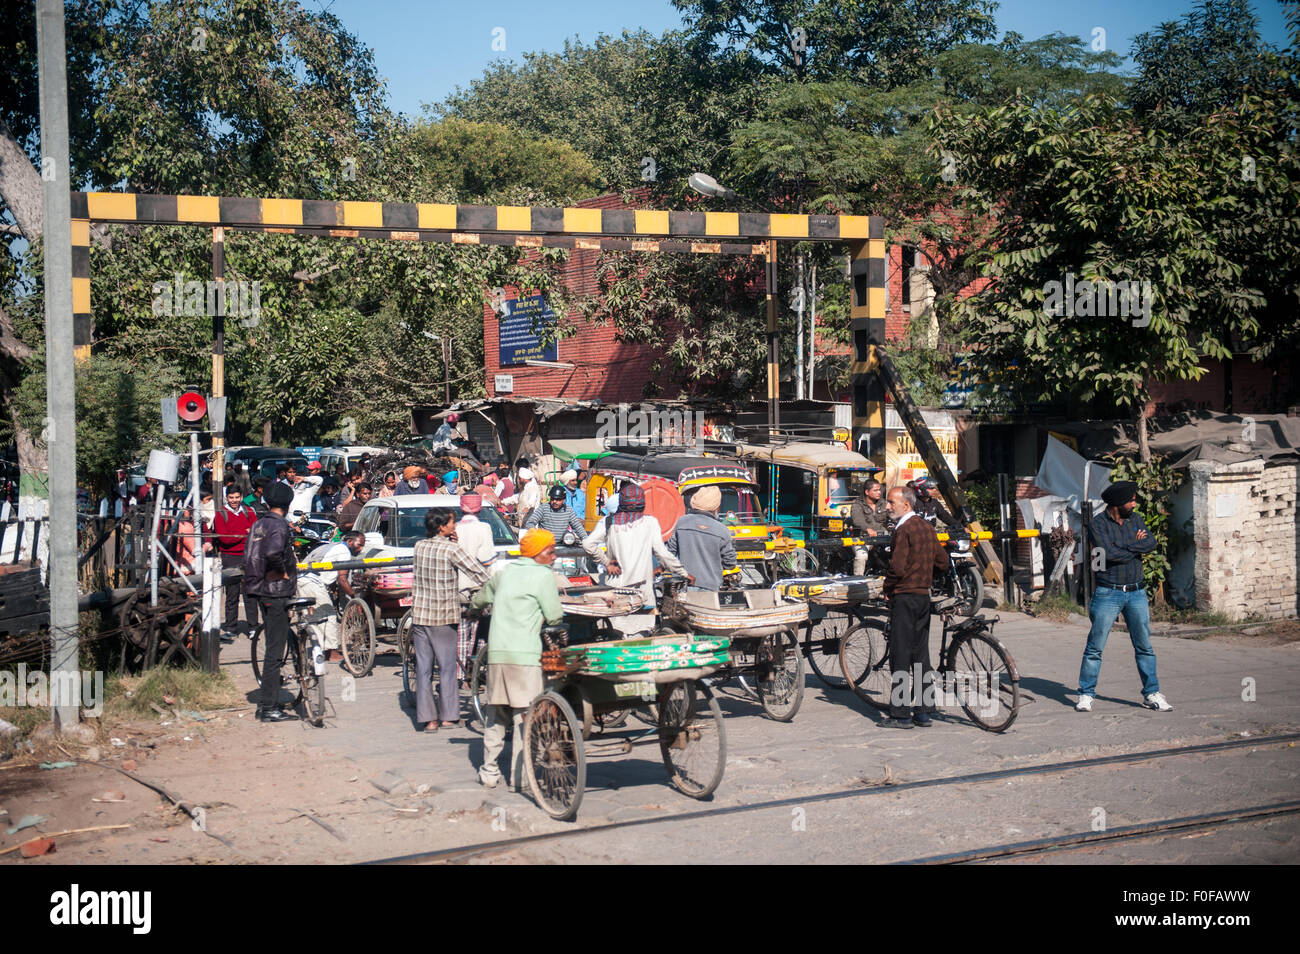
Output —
(277, 636)
(909, 655)
(233, 591)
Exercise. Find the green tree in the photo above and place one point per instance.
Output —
(481, 162)
(882, 45)
(1088, 192)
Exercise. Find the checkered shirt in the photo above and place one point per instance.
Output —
(436, 590)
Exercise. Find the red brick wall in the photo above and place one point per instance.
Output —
(1252, 389)
(1025, 489)
(606, 368)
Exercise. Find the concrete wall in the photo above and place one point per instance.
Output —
(1247, 532)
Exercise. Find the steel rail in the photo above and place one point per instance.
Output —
(469, 851)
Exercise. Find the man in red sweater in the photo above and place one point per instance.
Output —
(231, 526)
(916, 554)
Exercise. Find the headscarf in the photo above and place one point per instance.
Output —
(525, 474)
(631, 504)
(471, 503)
(490, 480)
(534, 541)
(412, 472)
(451, 477)
(568, 475)
(611, 505)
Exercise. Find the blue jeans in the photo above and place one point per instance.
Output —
(1105, 607)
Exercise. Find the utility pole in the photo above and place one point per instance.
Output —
(812, 335)
(798, 347)
(773, 344)
(60, 391)
(219, 359)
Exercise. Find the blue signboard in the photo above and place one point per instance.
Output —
(522, 328)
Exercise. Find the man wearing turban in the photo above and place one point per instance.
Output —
(523, 596)
(632, 540)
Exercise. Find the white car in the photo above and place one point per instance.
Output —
(392, 526)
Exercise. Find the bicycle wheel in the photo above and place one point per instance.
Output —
(410, 673)
(554, 757)
(692, 739)
(778, 670)
(288, 671)
(986, 680)
(478, 686)
(823, 650)
(797, 562)
(864, 660)
(357, 637)
(313, 686)
(970, 590)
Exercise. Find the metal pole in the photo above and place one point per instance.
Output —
(798, 347)
(1004, 509)
(446, 369)
(1085, 543)
(219, 358)
(812, 335)
(59, 357)
(773, 355)
(159, 489)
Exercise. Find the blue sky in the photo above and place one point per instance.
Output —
(426, 48)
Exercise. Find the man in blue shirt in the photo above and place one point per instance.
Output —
(1122, 536)
(574, 497)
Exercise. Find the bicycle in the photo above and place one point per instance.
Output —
(975, 669)
(302, 671)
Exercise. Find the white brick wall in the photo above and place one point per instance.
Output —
(1247, 534)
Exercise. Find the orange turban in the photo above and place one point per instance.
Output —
(535, 541)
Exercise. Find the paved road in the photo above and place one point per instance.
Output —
(835, 745)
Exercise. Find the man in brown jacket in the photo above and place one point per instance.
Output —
(916, 555)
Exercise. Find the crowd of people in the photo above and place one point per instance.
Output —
(456, 566)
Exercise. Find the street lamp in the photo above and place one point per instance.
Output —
(707, 185)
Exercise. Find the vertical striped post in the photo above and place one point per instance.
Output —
(867, 329)
(773, 343)
(219, 358)
(82, 328)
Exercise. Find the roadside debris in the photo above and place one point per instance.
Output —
(27, 821)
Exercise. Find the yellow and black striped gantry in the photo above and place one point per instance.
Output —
(647, 230)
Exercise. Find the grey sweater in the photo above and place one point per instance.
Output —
(705, 547)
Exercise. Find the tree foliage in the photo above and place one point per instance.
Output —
(481, 162)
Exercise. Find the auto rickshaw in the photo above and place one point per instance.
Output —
(808, 486)
(687, 473)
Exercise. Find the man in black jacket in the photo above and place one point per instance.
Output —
(271, 577)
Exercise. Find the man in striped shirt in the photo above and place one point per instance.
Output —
(556, 516)
(435, 614)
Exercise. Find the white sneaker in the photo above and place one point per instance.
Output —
(1158, 702)
(1084, 704)
(489, 781)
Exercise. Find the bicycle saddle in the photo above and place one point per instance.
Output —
(300, 601)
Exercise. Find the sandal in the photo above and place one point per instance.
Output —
(449, 725)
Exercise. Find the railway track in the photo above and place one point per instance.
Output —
(1158, 829)
(468, 852)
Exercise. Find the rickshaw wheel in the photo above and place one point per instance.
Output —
(357, 637)
(778, 670)
(864, 659)
(554, 757)
(692, 739)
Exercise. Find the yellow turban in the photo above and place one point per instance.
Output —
(535, 541)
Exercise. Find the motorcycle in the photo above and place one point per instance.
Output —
(962, 580)
(312, 530)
